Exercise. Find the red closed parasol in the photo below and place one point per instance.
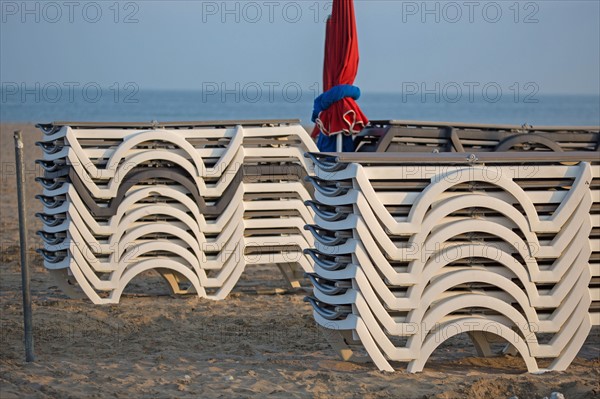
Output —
(339, 71)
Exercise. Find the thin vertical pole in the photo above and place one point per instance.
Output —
(27, 319)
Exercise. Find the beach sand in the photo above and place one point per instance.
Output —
(248, 345)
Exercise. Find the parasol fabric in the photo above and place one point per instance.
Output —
(336, 110)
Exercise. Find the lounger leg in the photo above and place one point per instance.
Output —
(291, 274)
(61, 278)
(481, 343)
(339, 342)
(510, 350)
(173, 280)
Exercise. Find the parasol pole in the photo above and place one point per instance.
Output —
(340, 141)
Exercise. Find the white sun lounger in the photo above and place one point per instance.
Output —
(195, 201)
(416, 250)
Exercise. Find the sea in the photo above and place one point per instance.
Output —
(104, 105)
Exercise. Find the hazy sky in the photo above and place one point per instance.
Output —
(196, 44)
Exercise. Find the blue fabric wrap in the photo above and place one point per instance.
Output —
(329, 143)
(333, 95)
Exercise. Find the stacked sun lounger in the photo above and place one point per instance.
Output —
(412, 249)
(196, 202)
(416, 136)
(436, 137)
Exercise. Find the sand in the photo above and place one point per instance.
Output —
(249, 345)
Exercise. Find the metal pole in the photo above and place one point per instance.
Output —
(340, 142)
(27, 322)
